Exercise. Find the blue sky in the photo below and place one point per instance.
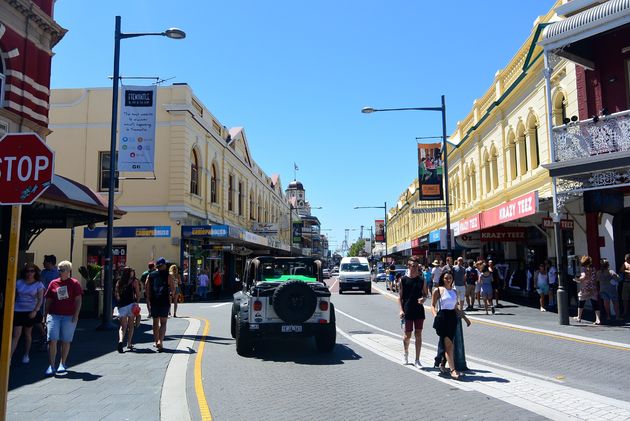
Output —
(296, 74)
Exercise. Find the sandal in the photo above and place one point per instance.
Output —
(455, 375)
(443, 369)
(130, 347)
(577, 320)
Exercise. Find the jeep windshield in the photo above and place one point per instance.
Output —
(282, 272)
(354, 267)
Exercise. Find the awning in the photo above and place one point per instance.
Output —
(590, 22)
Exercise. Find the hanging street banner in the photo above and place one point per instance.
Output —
(297, 232)
(430, 171)
(136, 146)
(379, 234)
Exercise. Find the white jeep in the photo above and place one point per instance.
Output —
(283, 296)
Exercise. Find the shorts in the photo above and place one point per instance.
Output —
(486, 292)
(415, 323)
(160, 311)
(461, 292)
(543, 289)
(20, 318)
(625, 291)
(470, 290)
(477, 288)
(60, 328)
(608, 295)
(126, 311)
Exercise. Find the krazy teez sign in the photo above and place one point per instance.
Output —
(136, 146)
(514, 209)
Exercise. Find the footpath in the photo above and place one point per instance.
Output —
(101, 384)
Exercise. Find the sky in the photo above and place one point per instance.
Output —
(296, 75)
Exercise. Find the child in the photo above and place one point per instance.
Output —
(391, 277)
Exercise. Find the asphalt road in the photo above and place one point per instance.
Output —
(514, 374)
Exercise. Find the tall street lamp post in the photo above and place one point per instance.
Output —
(174, 33)
(442, 109)
(384, 207)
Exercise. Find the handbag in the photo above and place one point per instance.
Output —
(437, 320)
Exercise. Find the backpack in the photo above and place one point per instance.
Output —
(471, 275)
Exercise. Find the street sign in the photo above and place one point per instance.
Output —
(26, 168)
(429, 210)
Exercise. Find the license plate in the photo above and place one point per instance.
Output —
(355, 287)
(291, 328)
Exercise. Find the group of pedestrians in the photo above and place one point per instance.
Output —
(445, 307)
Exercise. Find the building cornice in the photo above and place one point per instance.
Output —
(46, 23)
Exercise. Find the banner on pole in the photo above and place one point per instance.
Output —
(379, 234)
(136, 146)
(430, 171)
(297, 232)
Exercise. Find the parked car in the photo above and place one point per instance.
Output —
(335, 272)
(326, 273)
(380, 275)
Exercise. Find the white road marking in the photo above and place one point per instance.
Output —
(533, 329)
(221, 305)
(174, 402)
(516, 387)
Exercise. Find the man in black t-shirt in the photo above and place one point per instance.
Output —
(160, 289)
(413, 292)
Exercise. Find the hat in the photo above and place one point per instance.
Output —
(160, 261)
(435, 263)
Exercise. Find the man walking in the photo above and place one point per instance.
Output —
(160, 289)
(202, 284)
(459, 279)
(436, 273)
(143, 283)
(412, 295)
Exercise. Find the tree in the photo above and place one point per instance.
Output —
(357, 248)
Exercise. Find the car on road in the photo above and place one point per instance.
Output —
(326, 273)
(334, 272)
(355, 275)
(380, 275)
(283, 297)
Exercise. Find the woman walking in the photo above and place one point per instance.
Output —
(445, 309)
(588, 289)
(177, 283)
(541, 278)
(127, 294)
(608, 281)
(485, 290)
(29, 296)
(63, 304)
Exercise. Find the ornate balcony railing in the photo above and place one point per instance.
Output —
(609, 134)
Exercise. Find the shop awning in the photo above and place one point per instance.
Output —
(586, 24)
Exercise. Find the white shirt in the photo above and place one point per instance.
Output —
(436, 272)
(553, 275)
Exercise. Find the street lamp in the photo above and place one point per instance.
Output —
(173, 33)
(442, 109)
(384, 207)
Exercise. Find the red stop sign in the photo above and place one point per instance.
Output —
(26, 168)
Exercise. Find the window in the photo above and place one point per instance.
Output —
(103, 171)
(559, 110)
(512, 156)
(194, 173)
(535, 147)
(213, 185)
(231, 193)
(240, 198)
(252, 208)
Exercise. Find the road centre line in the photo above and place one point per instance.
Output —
(206, 415)
(536, 331)
(542, 396)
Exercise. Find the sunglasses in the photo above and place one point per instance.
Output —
(62, 270)
(30, 270)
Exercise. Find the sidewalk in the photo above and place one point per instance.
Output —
(528, 317)
(101, 384)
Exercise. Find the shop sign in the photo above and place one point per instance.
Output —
(415, 243)
(547, 222)
(129, 232)
(514, 209)
(260, 228)
(469, 241)
(468, 225)
(424, 239)
(434, 236)
(565, 224)
(254, 238)
(217, 231)
(502, 234)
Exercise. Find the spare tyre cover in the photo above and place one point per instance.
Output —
(294, 301)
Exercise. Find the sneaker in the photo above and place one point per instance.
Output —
(492, 310)
(417, 364)
(26, 359)
(120, 347)
(50, 371)
(61, 369)
(405, 359)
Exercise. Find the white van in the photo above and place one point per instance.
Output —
(355, 275)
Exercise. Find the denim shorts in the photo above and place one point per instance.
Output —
(60, 328)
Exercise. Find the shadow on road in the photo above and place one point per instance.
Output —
(302, 352)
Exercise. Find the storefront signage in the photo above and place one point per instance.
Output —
(424, 239)
(468, 225)
(136, 147)
(379, 233)
(415, 243)
(565, 224)
(430, 171)
(503, 234)
(514, 209)
(469, 241)
(217, 231)
(547, 223)
(129, 232)
(260, 228)
(434, 236)
(254, 238)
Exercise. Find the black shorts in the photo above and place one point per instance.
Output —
(160, 311)
(21, 318)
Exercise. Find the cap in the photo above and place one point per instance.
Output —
(160, 261)
(435, 263)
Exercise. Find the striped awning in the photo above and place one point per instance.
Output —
(596, 20)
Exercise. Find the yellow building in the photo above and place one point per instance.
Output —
(207, 203)
(499, 192)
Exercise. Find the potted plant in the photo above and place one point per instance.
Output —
(91, 298)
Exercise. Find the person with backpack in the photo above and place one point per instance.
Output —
(472, 276)
(160, 290)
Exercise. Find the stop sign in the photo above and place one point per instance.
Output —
(26, 168)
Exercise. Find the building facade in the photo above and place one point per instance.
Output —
(206, 205)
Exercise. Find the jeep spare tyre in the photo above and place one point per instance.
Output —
(294, 301)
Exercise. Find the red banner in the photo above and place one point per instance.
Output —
(503, 234)
(514, 209)
(469, 225)
(430, 171)
(379, 234)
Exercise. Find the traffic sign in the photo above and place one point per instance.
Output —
(429, 210)
(26, 168)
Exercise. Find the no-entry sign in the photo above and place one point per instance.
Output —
(26, 168)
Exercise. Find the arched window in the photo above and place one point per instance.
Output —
(213, 185)
(521, 149)
(473, 182)
(194, 173)
(511, 153)
(559, 109)
(486, 173)
(231, 193)
(260, 211)
(532, 139)
(241, 196)
(494, 168)
(252, 207)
